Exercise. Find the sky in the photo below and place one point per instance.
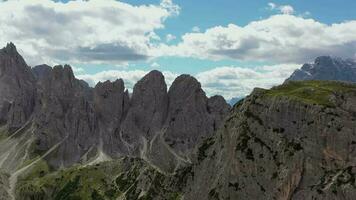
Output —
(230, 46)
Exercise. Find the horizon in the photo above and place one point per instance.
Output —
(245, 45)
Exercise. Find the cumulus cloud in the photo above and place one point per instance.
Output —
(77, 31)
(230, 81)
(170, 37)
(78, 70)
(284, 9)
(170, 6)
(233, 81)
(287, 9)
(279, 39)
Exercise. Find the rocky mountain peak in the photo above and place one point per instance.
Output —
(62, 121)
(63, 72)
(148, 110)
(110, 100)
(153, 80)
(16, 88)
(10, 49)
(324, 60)
(326, 68)
(185, 83)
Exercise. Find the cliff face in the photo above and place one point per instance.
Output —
(64, 117)
(17, 89)
(295, 141)
(326, 68)
(49, 117)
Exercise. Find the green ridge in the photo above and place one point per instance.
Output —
(312, 92)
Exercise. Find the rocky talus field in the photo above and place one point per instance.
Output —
(61, 139)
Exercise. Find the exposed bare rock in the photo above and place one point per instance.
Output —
(16, 88)
(111, 103)
(148, 111)
(64, 116)
(58, 121)
(188, 120)
(295, 141)
(218, 108)
(41, 71)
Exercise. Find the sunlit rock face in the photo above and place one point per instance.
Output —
(295, 141)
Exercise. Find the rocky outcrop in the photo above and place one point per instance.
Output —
(75, 123)
(58, 121)
(17, 89)
(295, 141)
(111, 103)
(105, 120)
(41, 72)
(191, 115)
(147, 113)
(64, 117)
(326, 68)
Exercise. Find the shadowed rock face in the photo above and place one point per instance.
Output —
(326, 68)
(59, 121)
(111, 103)
(64, 115)
(148, 111)
(78, 124)
(16, 88)
(41, 71)
(188, 118)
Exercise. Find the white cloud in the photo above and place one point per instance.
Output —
(284, 9)
(233, 81)
(170, 37)
(155, 65)
(91, 31)
(170, 6)
(272, 6)
(196, 29)
(78, 70)
(227, 81)
(279, 39)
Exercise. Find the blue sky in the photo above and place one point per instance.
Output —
(231, 46)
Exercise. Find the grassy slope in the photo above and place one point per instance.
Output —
(92, 182)
(105, 181)
(313, 92)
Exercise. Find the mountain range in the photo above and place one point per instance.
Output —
(62, 139)
(326, 68)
